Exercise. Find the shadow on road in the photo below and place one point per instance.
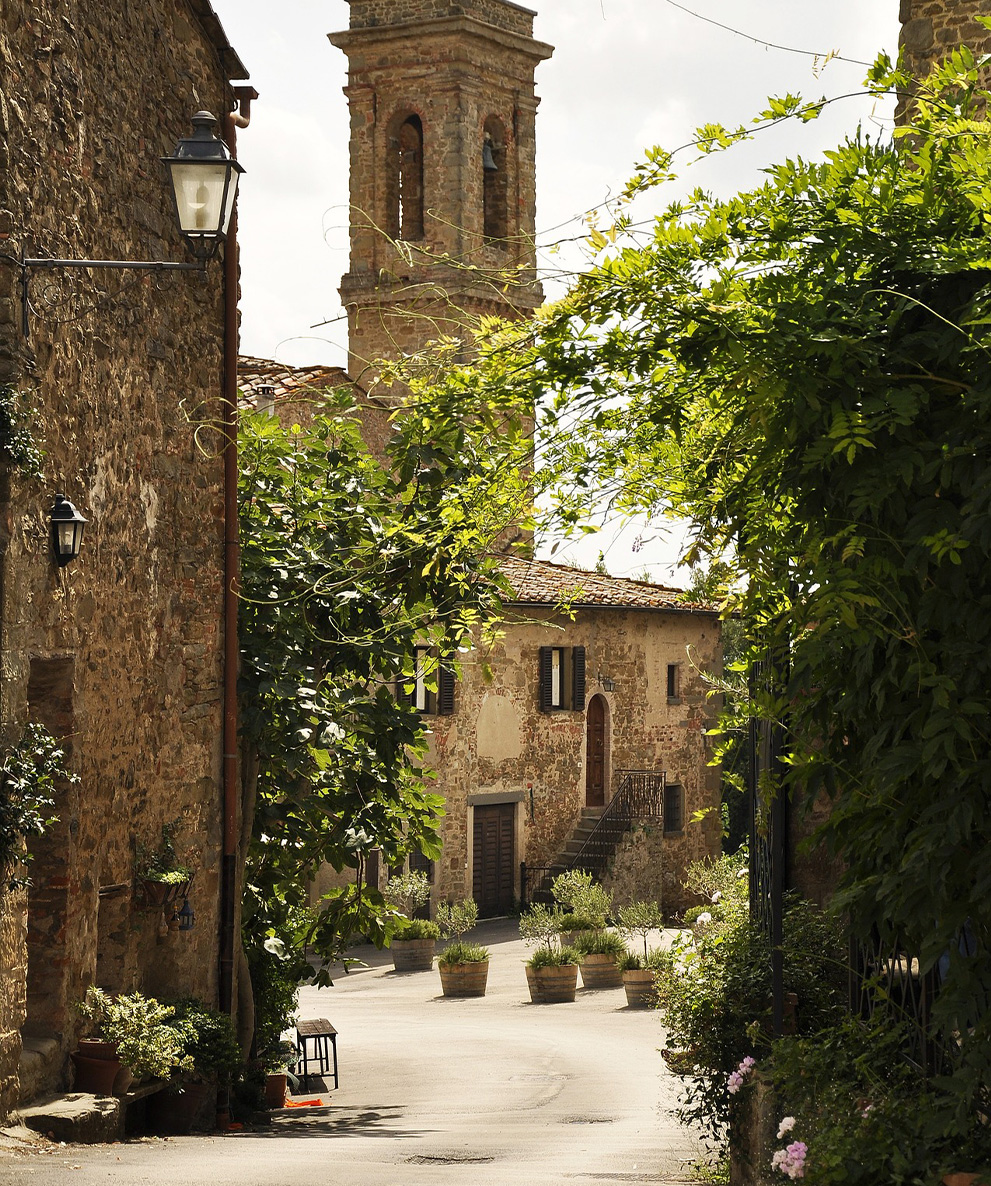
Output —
(334, 1122)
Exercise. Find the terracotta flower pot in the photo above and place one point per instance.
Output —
(961, 1178)
(275, 1089)
(413, 955)
(95, 1048)
(600, 971)
(639, 985)
(556, 983)
(95, 1075)
(464, 980)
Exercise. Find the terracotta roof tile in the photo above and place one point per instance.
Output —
(255, 373)
(538, 582)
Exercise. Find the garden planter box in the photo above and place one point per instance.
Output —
(464, 980)
(554, 984)
(413, 955)
(600, 971)
(157, 895)
(639, 985)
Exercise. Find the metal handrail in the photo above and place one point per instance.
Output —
(640, 798)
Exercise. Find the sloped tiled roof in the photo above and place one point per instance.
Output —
(255, 373)
(538, 582)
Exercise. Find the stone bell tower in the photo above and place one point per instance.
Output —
(443, 171)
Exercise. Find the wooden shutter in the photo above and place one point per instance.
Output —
(445, 691)
(578, 679)
(545, 684)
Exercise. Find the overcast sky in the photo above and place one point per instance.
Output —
(625, 74)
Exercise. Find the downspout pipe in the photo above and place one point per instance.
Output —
(238, 118)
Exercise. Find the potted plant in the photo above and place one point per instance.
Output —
(414, 939)
(584, 903)
(139, 1029)
(636, 921)
(554, 971)
(211, 1043)
(598, 952)
(161, 877)
(276, 1060)
(463, 967)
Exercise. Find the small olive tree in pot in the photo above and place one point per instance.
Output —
(463, 967)
(414, 939)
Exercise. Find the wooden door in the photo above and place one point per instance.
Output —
(493, 858)
(595, 754)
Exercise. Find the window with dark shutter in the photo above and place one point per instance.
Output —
(544, 690)
(673, 809)
(578, 679)
(445, 692)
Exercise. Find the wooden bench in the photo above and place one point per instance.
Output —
(322, 1034)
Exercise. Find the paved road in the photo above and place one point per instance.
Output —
(488, 1092)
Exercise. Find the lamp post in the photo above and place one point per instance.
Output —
(204, 181)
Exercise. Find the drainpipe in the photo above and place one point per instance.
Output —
(228, 882)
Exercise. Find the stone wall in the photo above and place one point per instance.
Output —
(931, 28)
(500, 13)
(121, 651)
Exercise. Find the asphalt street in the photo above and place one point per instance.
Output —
(492, 1091)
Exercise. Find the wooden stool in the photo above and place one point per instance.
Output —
(322, 1034)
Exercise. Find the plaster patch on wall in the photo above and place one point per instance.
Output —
(149, 500)
(497, 729)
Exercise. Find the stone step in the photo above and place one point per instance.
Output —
(78, 1118)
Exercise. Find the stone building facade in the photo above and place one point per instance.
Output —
(120, 653)
(932, 28)
(443, 176)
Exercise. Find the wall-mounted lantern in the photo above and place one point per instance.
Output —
(186, 916)
(66, 530)
(605, 683)
(204, 180)
(204, 185)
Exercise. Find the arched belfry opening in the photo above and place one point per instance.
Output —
(404, 178)
(495, 182)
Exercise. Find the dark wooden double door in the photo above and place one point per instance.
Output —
(494, 858)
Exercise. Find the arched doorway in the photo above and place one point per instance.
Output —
(595, 754)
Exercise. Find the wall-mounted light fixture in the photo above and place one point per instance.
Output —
(66, 530)
(186, 916)
(605, 683)
(204, 180)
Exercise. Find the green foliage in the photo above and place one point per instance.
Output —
(416, 928)
(408, 891)
(552, 956)
(162, 864)
(147, 1040)
(460, 952)
(599, 943)
(17, 443)
(802, 371)
(455, 919)
(638, 919)
(29, 777)
(277, 966)
(209, 1039)
(347, 566)
(655, 958)
(866, 1115)
(540, 924)
(578, 892)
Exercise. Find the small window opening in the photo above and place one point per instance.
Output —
(495, 182)
(674, 681)
(411, 179)
(674, 820)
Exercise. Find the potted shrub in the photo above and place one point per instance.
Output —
(162, 878)
(554, 972)
(598, 952)
(139, 1030)
(276, 1060)
(584, 903)
(211, 1043)
(636, 921)
(414, 939)
(463, 967)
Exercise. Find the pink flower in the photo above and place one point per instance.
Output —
(737, 1077)
(791, 1160)
(786, 1126)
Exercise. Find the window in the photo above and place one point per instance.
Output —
(404, 179)
(430, 688)
(674, 815)
(495, 182)
(674, 681)
(562, 679)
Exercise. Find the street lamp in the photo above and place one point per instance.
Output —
(66, 529)
(204, 184)
(204, 180)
